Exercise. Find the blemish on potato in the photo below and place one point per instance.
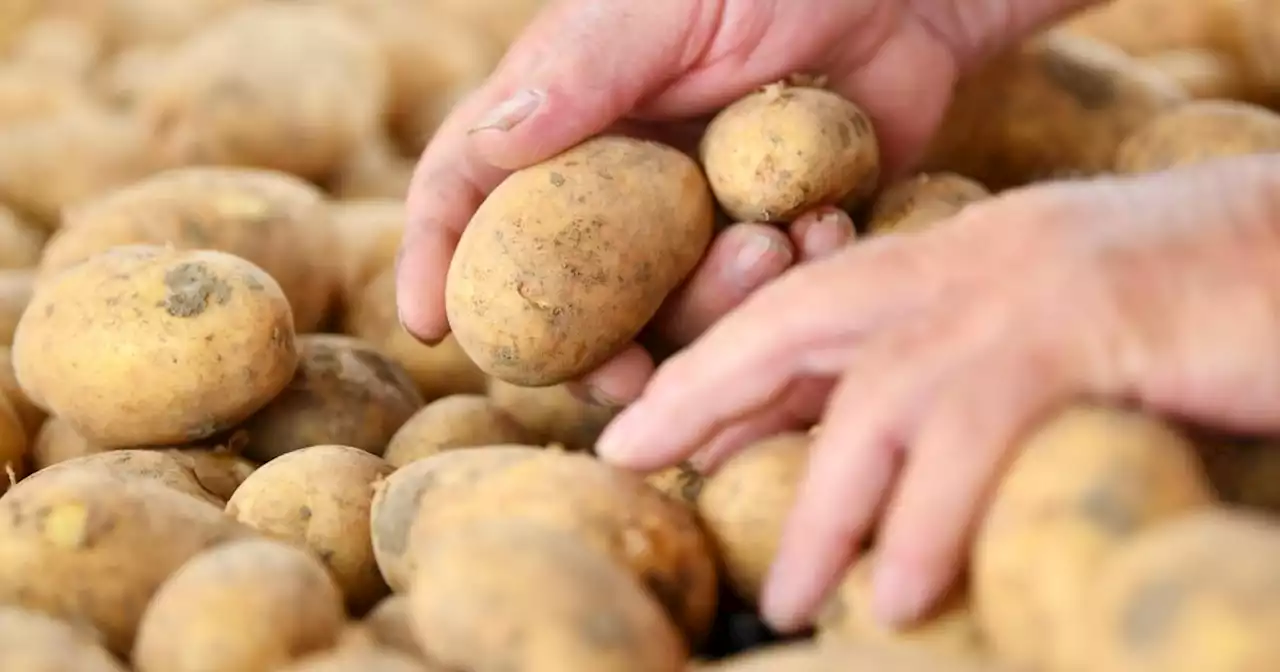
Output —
(66, 525)
(191, 286)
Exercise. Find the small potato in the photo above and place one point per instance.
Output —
(368, 233)
(1199, 131)
(20, 243)
(147, 346)
(319, 498)
(57, 442)
(681, 482)
(375, 170)
(553, 413)
(1204, 74)
(389, 626)
(921, 201)
(1201, 592)
(233, 93)
(358, 659)
(17, 286)
(33, 642)
(397, 501)
(458, 421)
(744, 505)
(783, 151)
(14, 445)
(246, 606)
(439, 370)
(32, 416)
(566, 261)
(153, 465)
(1082, 485)
(274, 220)
(70, 541)
(610, 510)
(510, 596)
(344, 393)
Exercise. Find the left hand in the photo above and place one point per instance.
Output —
(932, 352)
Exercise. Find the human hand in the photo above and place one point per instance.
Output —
(928, 353)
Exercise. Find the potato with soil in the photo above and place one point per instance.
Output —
(17, 286)
(70, 540)
(388, 625)
(780, 152)
(1197, 132)
(438, 370)
(149, 346)
(744, 505)
(319, 498)
(554, 414)
(922, 201)
(506, 595)
(610, 510)
(246, 606)
(1066, 104)
(398, 500)
(681, 482)
(32, 416)
(1083, 484)
(292, 87)
(458, 421)
(274, 220)
(344, 392)
(566, 261)
(33, 642)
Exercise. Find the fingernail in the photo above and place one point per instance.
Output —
(511, 112)
(897, 598)
(593, 395)
(621, 439)
(759, 260)
(826, 234)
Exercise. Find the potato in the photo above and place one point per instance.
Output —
(926, 199)
(1065, 105)
(553, 414)
(17, 286)
(458, 421)
(375, 170)
(1142, 27)
(358, 659)
(507, 596)
(1245, 471)
(388, 625)
(806, 657)
(233, 95)
(780, 152)
(153, 465)
(274, 220)
(15, 15)
(439, 370)
(744, 505)
(345, 392)
(397, 501)
(1194, 593)
(608, 509)
(218, 469)
(319, 498)
(14, 445)
(70, 542)
(20, 243)
(566, 261)
(1197, 132)
(1202, 73)
(1084, 483)
(57, 442)
(681, 482)
(32, 416)
(144, 346)
(33, 642)
(368, 233)
(29, 93)
(248, 605)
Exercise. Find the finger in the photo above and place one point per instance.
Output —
(741, 259)
(620, 380)
(798, 409)
(821, 232)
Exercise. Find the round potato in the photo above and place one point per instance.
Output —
(253, 604)
(17, 286)
(344, 393)
(553, 414)
(158, 466)
(319, 498)
(397, 501)
(1199, 131)
(566, 261)
(785, 150)
(358, 659)
(389, 626)
(1082, 485)
(505, 595)
(744, 505)
(32, 416)
(70, 542)
(233, 93)
(1196, 593)
(33, 642)
(20, 243)
(921, 201)
(458, 421)
(271, 219)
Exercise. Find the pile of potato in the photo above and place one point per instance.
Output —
(223, 452)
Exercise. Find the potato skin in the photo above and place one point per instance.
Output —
(567, 260)
(319, 498)
(780, 152)
(153, 465)
(922, 201)
(247, 605)
(1199, 131)
(69, 543)
(472, 607)
(220, 321)
(553, 414)
(1083, 483)
(681, 482)
(1191, 594)
(458, 421)
(33, 642)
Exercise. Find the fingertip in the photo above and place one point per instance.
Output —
(899, 596)
(421, 272)
(620, 380)
(821, 232)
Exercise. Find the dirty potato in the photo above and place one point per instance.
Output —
(457, 421)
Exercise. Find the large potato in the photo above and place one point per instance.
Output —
(509, 596)
(246, 606)
(33, 642)
(344, 392)
(921, 201)
(319, 498)
(1199, 131)
(147, 346)
(566, 261)
(1084, 483)
(554, 414)
(458, 421)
